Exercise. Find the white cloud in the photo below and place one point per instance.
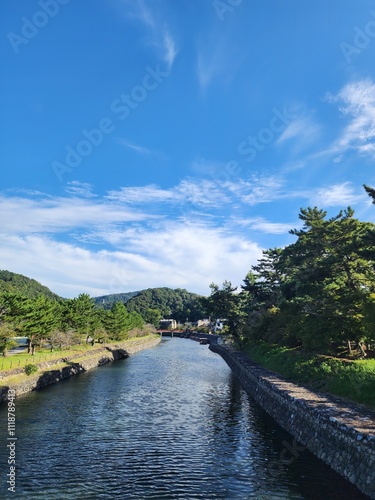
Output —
(185, 248)
(159, 37)
(357, 102)
(170, 49)
(337, 195)
(189, 191)
(141, 194)
(191, 237)
(77, 188)
(139, 149)
(303, 130)
(257, 189)
(264, 226)
(179, 256)
(54, 215)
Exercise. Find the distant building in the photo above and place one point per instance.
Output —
(168, 323)
(219, 325)
(203, 322)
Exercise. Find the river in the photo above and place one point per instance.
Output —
(171, 422)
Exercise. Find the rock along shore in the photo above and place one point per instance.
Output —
(54, 371)
(339, 433)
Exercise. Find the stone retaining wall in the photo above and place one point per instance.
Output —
(75, 364)
(339, 433)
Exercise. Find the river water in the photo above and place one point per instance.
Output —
(171, 422)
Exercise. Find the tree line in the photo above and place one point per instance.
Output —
(156, 303)
(318, 292)
(17, 283)
(62, 323)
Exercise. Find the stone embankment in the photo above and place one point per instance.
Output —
(339, 433)
(54, 371)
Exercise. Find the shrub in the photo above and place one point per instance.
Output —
(30, 368)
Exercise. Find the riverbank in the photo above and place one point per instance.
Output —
(352, 379)
(51, 372)
(339, 433)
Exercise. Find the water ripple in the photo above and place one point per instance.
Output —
(167, 423)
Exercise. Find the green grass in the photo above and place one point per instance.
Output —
(42, 355)
(22, 377)
(353, 380)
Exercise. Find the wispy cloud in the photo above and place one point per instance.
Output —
(139, 149)
(159, 36)
(60, 214)
(141, 195)
(257, 189)
(186, 235)
(169, 49)
(264, 226)
(337, 195)
(77, 188)
(356, 102)
(199, 193)
(216, 60)
(178, 256)
(304, 131)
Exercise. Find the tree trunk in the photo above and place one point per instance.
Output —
(350, 348)
(363, 354)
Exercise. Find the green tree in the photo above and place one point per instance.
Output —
(6, 332)
(223, 303)
(261, 299)
(178, 304)
(39, 321)
(118, 321)
(152, 316)
(328, 278)
(81, 315)
(370, 191)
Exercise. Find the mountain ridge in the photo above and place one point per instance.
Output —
(23, 285)
(178, 303)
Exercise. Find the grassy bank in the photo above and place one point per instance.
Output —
(353, 380)
(22, 359)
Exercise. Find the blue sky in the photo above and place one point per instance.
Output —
(167, 142)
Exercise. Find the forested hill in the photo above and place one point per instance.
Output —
(107, 301)
(178, 304)
(17, 283)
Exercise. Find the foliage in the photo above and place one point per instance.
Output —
(178, 304)
(107, 301)
(27, 287)
(153, 317)
(6, 331)
(119, 321)
(6, 339)
(63, 339)
(354, 380)
(318, 292)
(61, 324)
(223, 303)
(30, 368)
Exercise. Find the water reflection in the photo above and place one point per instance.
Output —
(170, 422)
